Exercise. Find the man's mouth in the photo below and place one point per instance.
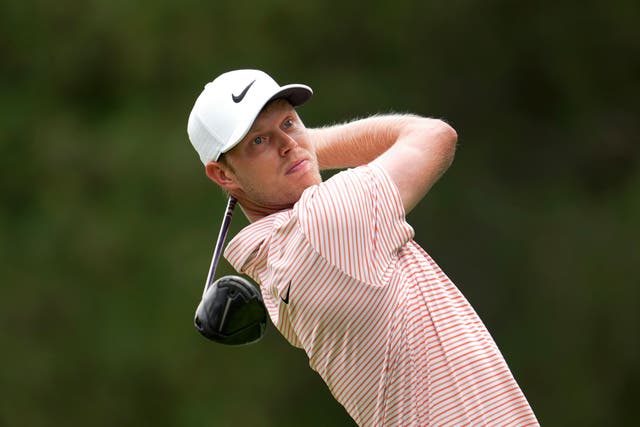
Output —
(297, 166)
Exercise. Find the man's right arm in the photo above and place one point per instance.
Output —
(414, 151)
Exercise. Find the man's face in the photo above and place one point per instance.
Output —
(275, 162)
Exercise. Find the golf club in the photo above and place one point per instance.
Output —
(231, 311)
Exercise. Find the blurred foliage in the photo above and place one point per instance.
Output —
(107, 221)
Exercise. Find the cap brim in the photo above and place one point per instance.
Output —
(296, 94)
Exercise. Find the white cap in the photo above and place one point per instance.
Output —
(227, 107)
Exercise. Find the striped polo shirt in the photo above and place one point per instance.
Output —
(389, 333)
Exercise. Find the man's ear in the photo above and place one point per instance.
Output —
(221, 175)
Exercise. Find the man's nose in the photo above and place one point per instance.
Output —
(286, 143)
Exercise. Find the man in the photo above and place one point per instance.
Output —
(341, 277)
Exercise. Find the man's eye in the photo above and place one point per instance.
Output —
(288, 123)
(257, 140)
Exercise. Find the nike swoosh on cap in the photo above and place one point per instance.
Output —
(238, 98)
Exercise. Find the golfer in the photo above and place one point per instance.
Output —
(341, 276)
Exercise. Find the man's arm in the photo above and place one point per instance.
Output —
(415, 151)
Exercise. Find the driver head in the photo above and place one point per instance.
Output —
(231, 312)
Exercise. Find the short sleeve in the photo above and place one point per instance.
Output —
(356, 221)
(247, 251)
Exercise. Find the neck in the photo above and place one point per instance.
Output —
(255, 211)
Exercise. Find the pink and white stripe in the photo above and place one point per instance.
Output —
(393, 338)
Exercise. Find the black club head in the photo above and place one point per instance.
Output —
(231, 312)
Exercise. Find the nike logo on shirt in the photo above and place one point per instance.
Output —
(285, 299)
(238, 98)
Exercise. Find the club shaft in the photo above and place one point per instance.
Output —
(222, 236)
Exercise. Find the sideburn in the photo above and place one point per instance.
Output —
(223, 160)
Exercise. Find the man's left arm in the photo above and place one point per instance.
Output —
(414, 150)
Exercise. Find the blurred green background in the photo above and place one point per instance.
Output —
(107, 221)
